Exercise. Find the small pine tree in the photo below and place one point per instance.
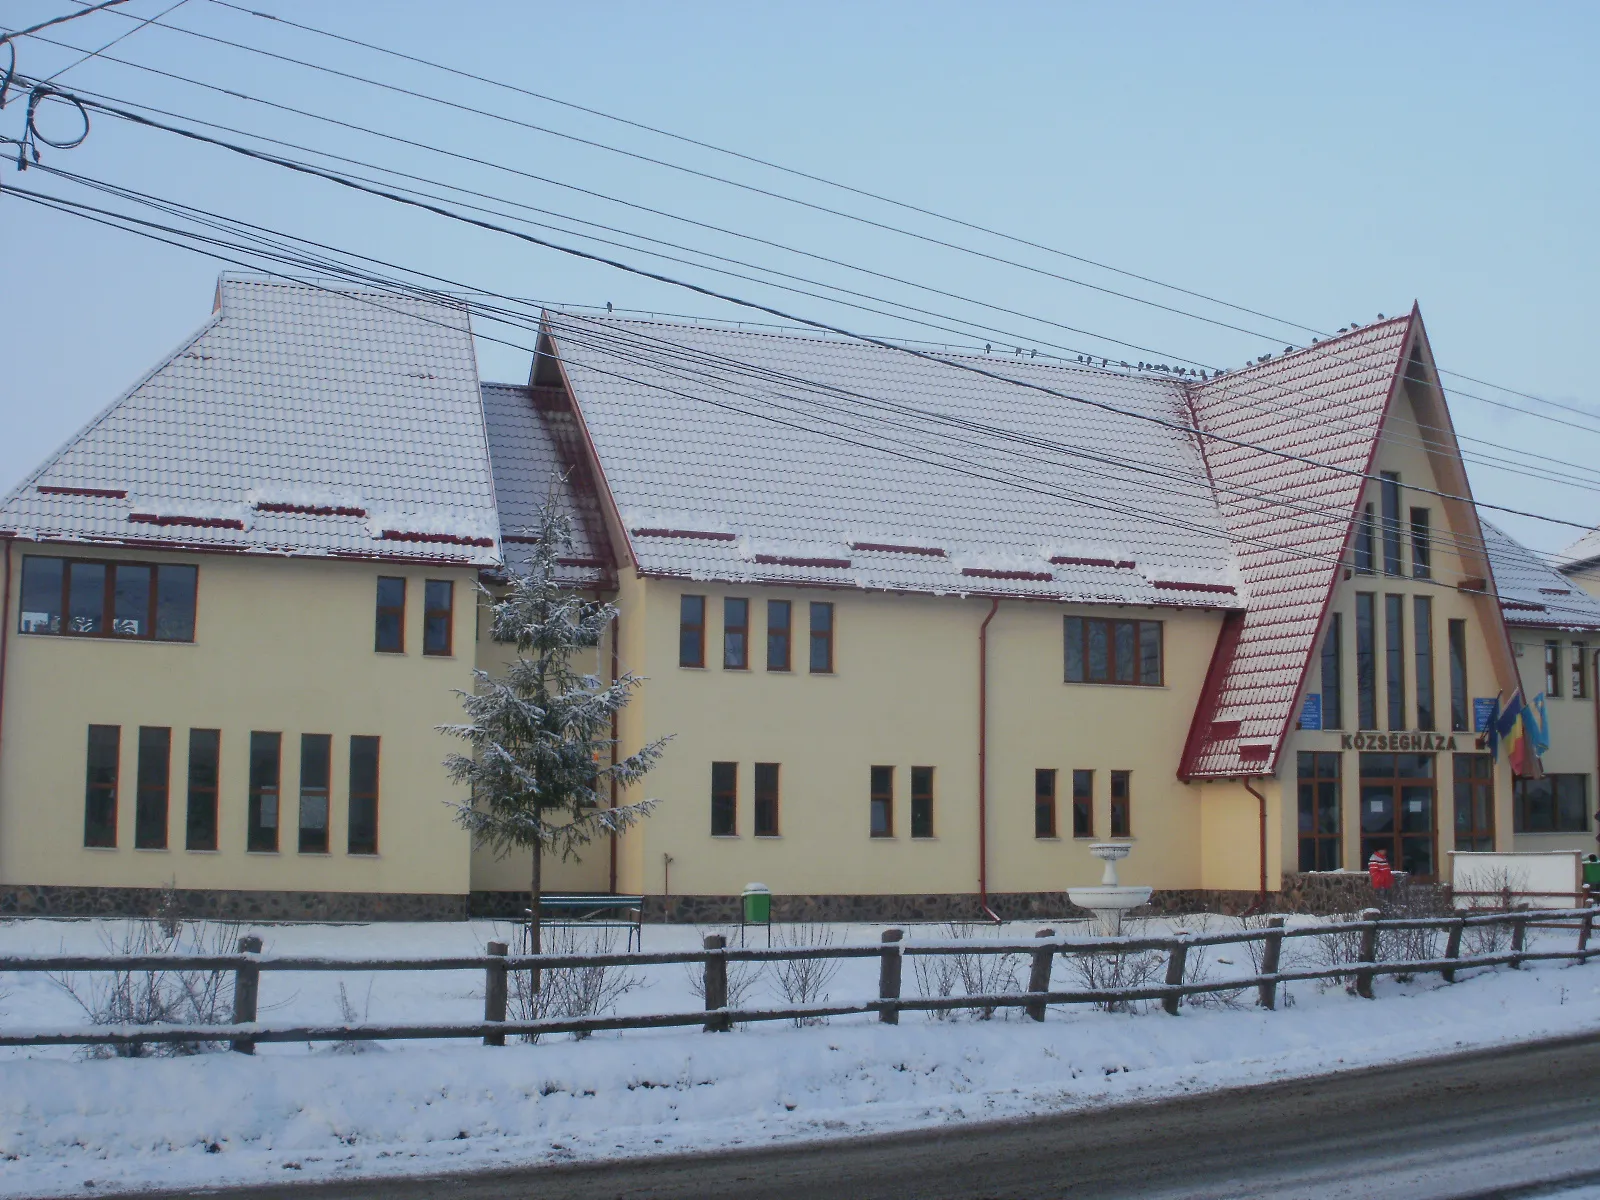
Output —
(539, 734)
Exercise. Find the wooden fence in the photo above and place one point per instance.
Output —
(1266, 977)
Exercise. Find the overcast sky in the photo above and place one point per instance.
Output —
(1319, 163)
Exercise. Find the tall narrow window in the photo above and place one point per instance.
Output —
(391, 623)
(922, 802)
(735, 634)
(883, 802)
(1394, 658)
(779, 638)
(175, 602)
(766, 799)
(1580, 670)
(724, 799)
(1421, 544)
(1318, 778)
(438, 616)
(363, 833)
(100, 786)
(1366, 661)
(150, 804)
(1365, 523)
(1422, 639)
(316, 754)
(43, 580)
(692, 631)
(1083, 804)
(130, 604)
(1474, 796)
(86, 597)
(1460, 718)
(262, 828)
(1391, 524)
(1044, 803)
(205, 753)
(1552, 668)
(1121, 804)
(1333, 674)
(821, 638)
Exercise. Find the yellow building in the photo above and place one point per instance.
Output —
(922, 628)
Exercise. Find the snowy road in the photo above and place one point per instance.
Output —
(1520, 1122)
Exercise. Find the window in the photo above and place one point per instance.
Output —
(316, 751)
(262, 833)
(438, 613)
(766, 799)
(1422, 639)
(1397, 811)
(1554, 804)
(1552, 668)
(1100, 650)
(363, 832)
(1580, 670)
(1459, 716)
(1474, 786)
(108, 599)
(778, 639)
(821, 638)
(1083, 804)
(1366, 661)
(1333, 674)
(1121, 804)
(1044, 803)
(391, 627)
(883, 802)
(724, 799)
(1390, 492)
(1320, 844)
(922, 802)
(1421, 544)
(150, 801)
(735, 634)
(692, 631)
(205, 752)
(100, 786)
(1364, 539)
(1394, 652)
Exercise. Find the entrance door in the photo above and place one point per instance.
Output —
(1398, 799)
(1474, 787)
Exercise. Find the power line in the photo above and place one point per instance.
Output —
(120, 37)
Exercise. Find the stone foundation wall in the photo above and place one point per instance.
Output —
(48, 901)
(1325, 893)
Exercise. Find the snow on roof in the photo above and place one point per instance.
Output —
(1325, 403)
(712, 444)
(1532, 592)
(301, 419)
(1581, 553)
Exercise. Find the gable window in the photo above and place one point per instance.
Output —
(362, 836)
(1044, 803)
(1552, 668)
(1394, 652)
(1553, 804)
(100, 786)
(1103, 650)
(821, 638)
(205, 746)
(922, 802)
(1366, 661)
(316, 753)
(1421, 545)
(1580, 670)
(438, 616)
(1458, 676)
(735, 634)
(262, 816)
(1333, 674)
(1391, 523)
(882, 802)
(1121, 804)
(150, 801)
(83, 598)
(390, 635)
(779, 617)
(1318, 775)
(692, 631)
(724, 799)
(1364, 538)
(1083, 804)
(1422, 638)
(766, 799)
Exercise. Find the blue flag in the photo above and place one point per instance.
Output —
(1541, 726)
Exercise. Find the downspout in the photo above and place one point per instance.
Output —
(1260, 901)
(616, 631)
(5, 630)
(983, 763)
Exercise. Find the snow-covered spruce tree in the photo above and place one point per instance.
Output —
(540, 734)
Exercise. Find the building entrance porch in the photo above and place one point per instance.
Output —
(1399, 803)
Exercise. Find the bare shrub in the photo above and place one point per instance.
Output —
(936, 977)
(565, 993)
(805, 980)
(743, 976)
(1408, 901)
(1115, 968)
(1333, 950)
(349, 1016)
(1490, 889)
(1207, 964)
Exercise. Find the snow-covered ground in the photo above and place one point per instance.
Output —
(76, 1126)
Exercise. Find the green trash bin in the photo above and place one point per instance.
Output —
(757, 904)
(1591, 873)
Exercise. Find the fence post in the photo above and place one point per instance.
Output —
(494, 993)
(246, 988)
(1583, 932)
(716, 984)
(1519, 937)
(1368, 952)
(1039, 977)
(1271, 951)
(1452, 948)
(1176, 961)
(890, 961)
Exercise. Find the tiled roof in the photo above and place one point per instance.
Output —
(709, 441)
(300, 419)
(1325, 403)
(1533, 593)
(1581, 553)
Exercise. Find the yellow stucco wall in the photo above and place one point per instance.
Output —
(1574, 724)
(1588, 579)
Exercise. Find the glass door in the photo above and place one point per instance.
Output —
(1398, 799)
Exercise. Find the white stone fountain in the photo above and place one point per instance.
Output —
(1110, 900)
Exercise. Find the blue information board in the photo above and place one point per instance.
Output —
(1483, 712)
(1311, 712)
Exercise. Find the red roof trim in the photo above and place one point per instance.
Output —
(702, 534)
(448, 539)
(786, 560)
(887, 548)
(1206, 710)
(1068, 560)
(100, 493)
(310, 510)
(525, 539)
(1179, 585)
(989, 573)
(581, 562)
(1256, 752)
(1523, 605)
(143, 518)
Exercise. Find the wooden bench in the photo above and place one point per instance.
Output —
(595, 911)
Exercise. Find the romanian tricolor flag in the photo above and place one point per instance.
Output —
(1516, 728)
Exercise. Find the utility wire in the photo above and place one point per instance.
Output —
(120, 37)
(62, 20)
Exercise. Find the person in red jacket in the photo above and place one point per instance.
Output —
(1379, 871)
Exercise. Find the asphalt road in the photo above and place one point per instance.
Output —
(1519, 1123)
